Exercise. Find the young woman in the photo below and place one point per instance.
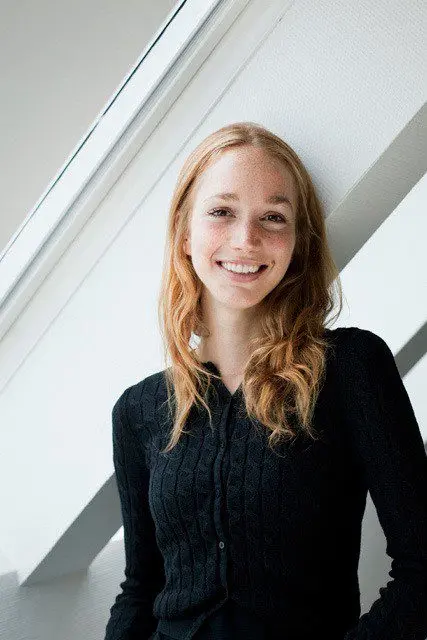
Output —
(243, 467)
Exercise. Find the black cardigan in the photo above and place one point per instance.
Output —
(223, 517)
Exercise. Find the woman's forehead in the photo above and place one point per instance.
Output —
(265, 177)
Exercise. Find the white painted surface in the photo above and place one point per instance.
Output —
(59, 62)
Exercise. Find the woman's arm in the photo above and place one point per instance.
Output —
(131, 616)
(386, 439)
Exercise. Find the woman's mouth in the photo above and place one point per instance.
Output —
(242, 277)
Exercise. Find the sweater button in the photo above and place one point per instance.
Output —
(221, 544)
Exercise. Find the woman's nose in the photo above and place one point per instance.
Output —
(244, 234)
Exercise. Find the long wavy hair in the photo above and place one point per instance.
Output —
(286, 368)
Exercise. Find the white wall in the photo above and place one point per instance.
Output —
(339, 87)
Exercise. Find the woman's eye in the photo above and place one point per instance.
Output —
(276, 215)
(213, 213)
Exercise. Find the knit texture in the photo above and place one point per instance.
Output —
(223, 517)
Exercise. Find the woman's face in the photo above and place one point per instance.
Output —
(255, 225)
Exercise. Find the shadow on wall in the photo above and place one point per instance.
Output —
(75, 606)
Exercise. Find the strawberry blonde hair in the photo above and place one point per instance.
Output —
(285, 371)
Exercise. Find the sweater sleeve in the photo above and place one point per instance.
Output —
(386, 440)
(131, 615)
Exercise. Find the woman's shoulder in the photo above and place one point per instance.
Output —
(138, 401)
(353, 335)
(357, 346)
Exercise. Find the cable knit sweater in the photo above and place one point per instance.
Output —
(223, 517)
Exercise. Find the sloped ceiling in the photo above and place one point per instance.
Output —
(60, 62)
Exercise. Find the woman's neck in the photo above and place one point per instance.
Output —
(231, 362)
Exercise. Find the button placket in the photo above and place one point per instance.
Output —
(222, 434)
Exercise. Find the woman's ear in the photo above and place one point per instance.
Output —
(186, 246)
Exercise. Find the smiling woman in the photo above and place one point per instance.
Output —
(227, 461)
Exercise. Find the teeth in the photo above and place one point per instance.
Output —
(238, 268)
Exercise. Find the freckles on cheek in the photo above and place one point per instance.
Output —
(204, 245)
(286, 242)
(212, 237)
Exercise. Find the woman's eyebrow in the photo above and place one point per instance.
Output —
(274, 199)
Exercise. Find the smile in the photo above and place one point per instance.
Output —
(242, 277)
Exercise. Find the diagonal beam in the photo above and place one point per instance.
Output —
(84, 538)
(379, 191)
